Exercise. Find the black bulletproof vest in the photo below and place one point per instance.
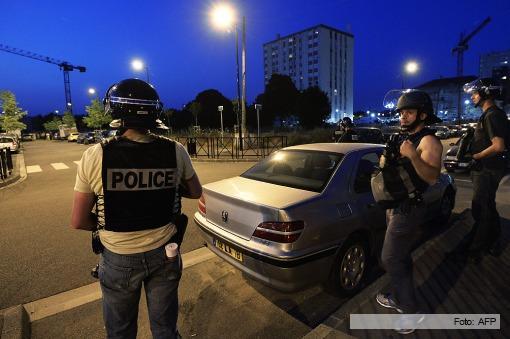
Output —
(415, 138)
(139, 183)
(399, 182)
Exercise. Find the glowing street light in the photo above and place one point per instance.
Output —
(92, 91)
(223, 16)
(138, 66)
(411, 67)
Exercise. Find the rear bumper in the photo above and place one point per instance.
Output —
(453, 165)
(284, 274)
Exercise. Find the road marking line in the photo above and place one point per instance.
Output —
(34, 169)
(65, 301)
(77, 162)
(59, 166)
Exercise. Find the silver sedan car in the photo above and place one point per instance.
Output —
(304, 215)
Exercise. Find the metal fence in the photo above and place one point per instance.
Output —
(5, 163)
(232, 147)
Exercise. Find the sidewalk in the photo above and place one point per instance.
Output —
(444, 287)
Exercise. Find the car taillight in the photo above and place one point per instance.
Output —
(201, 205)
(283, 232)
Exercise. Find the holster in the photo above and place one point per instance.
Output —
(181, 222)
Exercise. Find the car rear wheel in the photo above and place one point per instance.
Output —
(350, 268)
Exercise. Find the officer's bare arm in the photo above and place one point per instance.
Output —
(81, 218)
(193, 188)
(427, 163)
(498, 146)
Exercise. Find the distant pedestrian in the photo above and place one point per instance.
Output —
(132, 182)
(486, 173)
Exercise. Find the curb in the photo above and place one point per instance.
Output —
(327, 328)
(20, 173)
(16, 323)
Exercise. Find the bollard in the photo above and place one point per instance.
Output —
(3, 163)
(9, 159)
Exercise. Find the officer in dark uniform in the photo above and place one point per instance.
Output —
(133, 180)
(488, 170)
(346, 131)
(421, 157)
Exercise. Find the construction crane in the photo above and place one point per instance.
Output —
(462, 46)
(65, 66)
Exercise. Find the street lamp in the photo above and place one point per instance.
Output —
(92, 91)
(220, 109)
(138, 66)
(258, 107)
(223, 16)
(411, 67)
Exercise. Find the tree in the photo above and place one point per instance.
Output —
(313, 107)
(209, 115)
(195, 109)
(96, 117)
(10, 118)
(68, 119)
(279, 99)
(52, 125)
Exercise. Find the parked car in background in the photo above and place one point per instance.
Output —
(85, 138)
(442, 132)
(11, 142)
(73, 137)
(455, 131)
(306, 214)
(370, 135)
(28, 137)
(452, 163)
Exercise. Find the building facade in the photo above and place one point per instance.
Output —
(497, 65)
(318, 56)
(447, 94)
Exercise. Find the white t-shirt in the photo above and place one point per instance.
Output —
(88, 180)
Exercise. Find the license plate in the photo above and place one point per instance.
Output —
(229, 250)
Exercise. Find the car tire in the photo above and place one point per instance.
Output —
(350, 268)
(445, 207)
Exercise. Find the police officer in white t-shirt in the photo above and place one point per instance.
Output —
(132, 183)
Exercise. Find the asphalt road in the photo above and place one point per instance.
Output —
(41, 254)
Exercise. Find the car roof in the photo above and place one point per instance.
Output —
(344, 147)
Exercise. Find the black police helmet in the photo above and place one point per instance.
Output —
(420, 100)
(347, 122)
(133, 103)
(487, 88)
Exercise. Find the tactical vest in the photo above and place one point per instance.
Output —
(393, 185)
(139, 184)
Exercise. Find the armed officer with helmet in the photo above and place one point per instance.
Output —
(417, 165)
(132, 182)
(487, 150)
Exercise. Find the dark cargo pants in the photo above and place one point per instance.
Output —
(402, 234)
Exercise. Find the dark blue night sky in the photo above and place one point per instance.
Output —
(185, 55)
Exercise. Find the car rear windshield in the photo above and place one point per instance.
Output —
(307, 170)
(6, 140)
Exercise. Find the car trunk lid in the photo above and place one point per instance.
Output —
(238, 205)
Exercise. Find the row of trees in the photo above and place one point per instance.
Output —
(280, 101)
